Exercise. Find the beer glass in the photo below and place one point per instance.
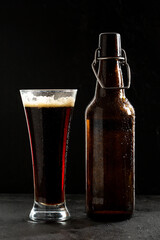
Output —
(48, 115)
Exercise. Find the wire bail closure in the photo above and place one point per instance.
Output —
(122, 59)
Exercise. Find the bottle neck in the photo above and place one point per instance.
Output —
(110, 75)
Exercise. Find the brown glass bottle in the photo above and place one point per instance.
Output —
(110, 138)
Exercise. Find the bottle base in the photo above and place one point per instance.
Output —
(49, 213)
(107, 216)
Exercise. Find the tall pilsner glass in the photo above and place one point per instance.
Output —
(48, 115)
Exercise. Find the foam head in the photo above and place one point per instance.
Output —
(32, 99)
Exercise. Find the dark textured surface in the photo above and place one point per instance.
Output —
(14, 224)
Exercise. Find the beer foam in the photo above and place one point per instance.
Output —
(30, 100)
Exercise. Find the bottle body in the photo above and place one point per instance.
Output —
(110, 138)
(110, 158)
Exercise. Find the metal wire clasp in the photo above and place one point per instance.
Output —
(123, 60)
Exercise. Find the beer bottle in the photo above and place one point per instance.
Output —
(110, 136)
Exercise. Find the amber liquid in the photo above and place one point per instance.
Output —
(48, 130)
(110, 173)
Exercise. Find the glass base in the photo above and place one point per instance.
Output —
(49, 213)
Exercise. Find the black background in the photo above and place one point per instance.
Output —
(51, 45)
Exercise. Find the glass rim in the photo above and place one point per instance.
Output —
(49, 90)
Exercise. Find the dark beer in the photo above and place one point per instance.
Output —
(48, 131)
(110, 134)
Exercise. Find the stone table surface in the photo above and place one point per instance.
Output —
(14, 223)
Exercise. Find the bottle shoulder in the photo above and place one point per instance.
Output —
(110, 109)
(128, 107)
